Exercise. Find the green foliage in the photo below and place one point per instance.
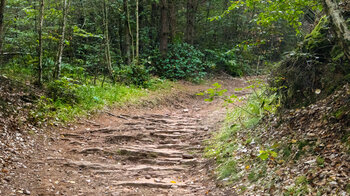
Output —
(313, 70)
(225, 61)
(134, 74)
(83, 33)
(320, 161)
(318, 37)
(43, 109)
(64, 90)
(266, 102)
(214, 92)
(273, 11)
(183, 61)
(223, 145)
(300, 187)
(72, 100)
(265, 154)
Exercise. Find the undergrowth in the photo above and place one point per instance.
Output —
(75, 94)
(223, 144)
(69, 101)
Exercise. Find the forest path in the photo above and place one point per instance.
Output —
(135, 151)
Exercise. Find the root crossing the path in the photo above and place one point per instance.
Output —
(136, 151)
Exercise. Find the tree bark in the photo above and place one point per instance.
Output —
(137, 31)
(106, 37)
(191, 16)
(207, 19)
(126, 34)
(339, 22)
(130, 33)
(154, 24)
(40, 46)
(2, 11)
(61, 43)
(172, 19)
(164, 31)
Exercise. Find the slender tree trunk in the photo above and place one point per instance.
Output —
(207, 19)
(164, 31)
(126, 34)
(154, 23)
(2, 11)
(339, 22)
(40, 47)
(121, 42)
(130, 33)
(137, 31)
(61, 43)
(191, 16)
(106, 37)
(172, 19)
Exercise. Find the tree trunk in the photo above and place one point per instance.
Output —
(126, 34)
(339, 22)
(61, 43)
(106, 37)
(172, 19)
(121, 42)
(207, 19)
(191, 16)
(130, 33)
(2, 11)
(155, 24)
(40, 47)
(164, 31)
(137, 31)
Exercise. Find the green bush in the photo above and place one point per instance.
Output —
(135, 74)
(64, 90)
(225, 61)
(183, 61)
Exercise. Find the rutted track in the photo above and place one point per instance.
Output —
(155, 152)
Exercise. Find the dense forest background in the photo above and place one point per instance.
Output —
(128, 40)
(64, 59)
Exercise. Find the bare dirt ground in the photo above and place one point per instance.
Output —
(151, 149)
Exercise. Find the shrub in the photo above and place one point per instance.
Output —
(64, 90)
(225, 61)
(135, 74)
(183, 61)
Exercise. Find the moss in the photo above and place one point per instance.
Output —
(341, 112)
(347, 78)
(318, 63)
(318, 37)
(347, 188)
(320, 161)
(337, 53)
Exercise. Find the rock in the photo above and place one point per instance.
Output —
(157, 180)
(148, 177)
(26, 192)
(187, 156)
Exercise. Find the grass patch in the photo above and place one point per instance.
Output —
(300, 188)
(223, 146)
(81, 100)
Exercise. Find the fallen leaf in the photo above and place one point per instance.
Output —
(4, 171)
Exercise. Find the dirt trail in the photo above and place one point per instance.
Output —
(136, 151)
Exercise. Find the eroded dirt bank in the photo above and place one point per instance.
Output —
(153, 149)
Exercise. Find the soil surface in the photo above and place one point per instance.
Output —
(151, 149)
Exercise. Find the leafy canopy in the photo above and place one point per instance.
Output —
(270, 11)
